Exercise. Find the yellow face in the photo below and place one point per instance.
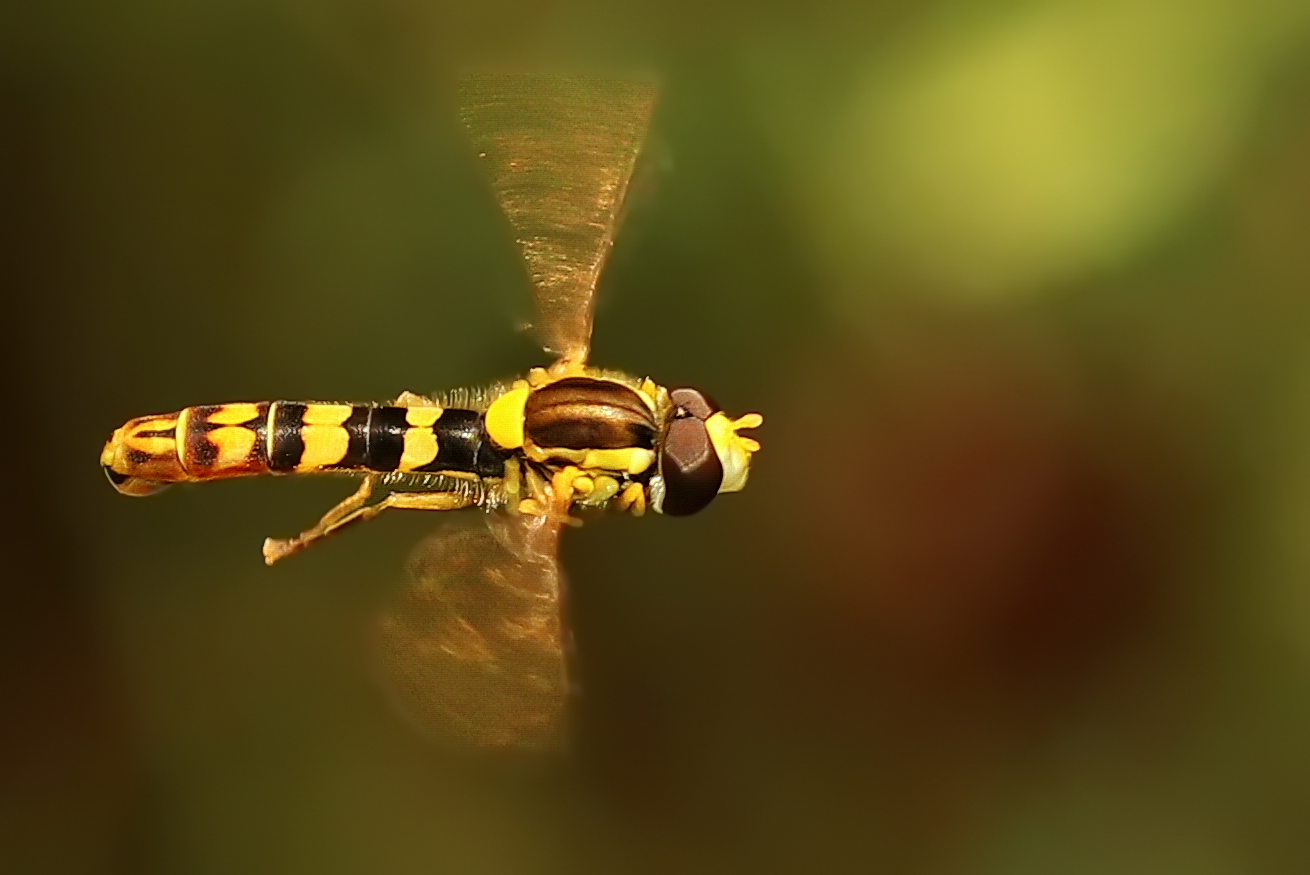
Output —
(734, 451)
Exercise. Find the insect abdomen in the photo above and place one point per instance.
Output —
(198, 443)
(284, 437)
(342, 437)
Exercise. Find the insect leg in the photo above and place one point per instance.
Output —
(352, 510)
(424, 501)
(602, 489)
(553, 499)
(633, 498)
(280, 548)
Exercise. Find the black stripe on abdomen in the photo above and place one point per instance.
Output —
(358, 428)
(463, 445)
(287, 443)
(386, 438)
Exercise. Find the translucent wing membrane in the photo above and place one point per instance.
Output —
(472, 649)
(560, 151)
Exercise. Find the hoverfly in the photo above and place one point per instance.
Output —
(477, 646)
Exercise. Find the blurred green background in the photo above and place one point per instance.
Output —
(1020, 584)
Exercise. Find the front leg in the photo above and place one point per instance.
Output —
(552, 498)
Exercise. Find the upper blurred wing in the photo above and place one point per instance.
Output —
(472, 649)
(560, 151)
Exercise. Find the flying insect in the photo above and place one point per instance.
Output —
(477, 645)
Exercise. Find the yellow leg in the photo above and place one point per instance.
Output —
(512, 484)
(554, 498)
(563, 488)
(538, 494)
(352, 510)
(603, 488)
(278, 548)
(633, 498)
(561, 485)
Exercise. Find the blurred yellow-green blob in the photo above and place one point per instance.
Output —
(995, 154)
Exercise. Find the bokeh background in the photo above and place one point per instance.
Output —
(1020, 584)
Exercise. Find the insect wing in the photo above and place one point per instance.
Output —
(472, 649)
(560, 151)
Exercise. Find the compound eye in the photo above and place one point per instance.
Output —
(691, 468)
(693, 402)
(136, 486)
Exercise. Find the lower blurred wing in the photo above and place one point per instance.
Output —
(472, 648)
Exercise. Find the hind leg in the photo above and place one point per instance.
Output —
(354, 510)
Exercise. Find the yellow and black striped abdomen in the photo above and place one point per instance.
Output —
(284, 437)
(342, 437)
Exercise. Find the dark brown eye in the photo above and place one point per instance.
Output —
(691, 469)
(694, 402)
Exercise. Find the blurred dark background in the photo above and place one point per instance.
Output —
(1021, 581)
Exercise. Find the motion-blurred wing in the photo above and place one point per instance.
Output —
(472, 649)
(560, 151)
